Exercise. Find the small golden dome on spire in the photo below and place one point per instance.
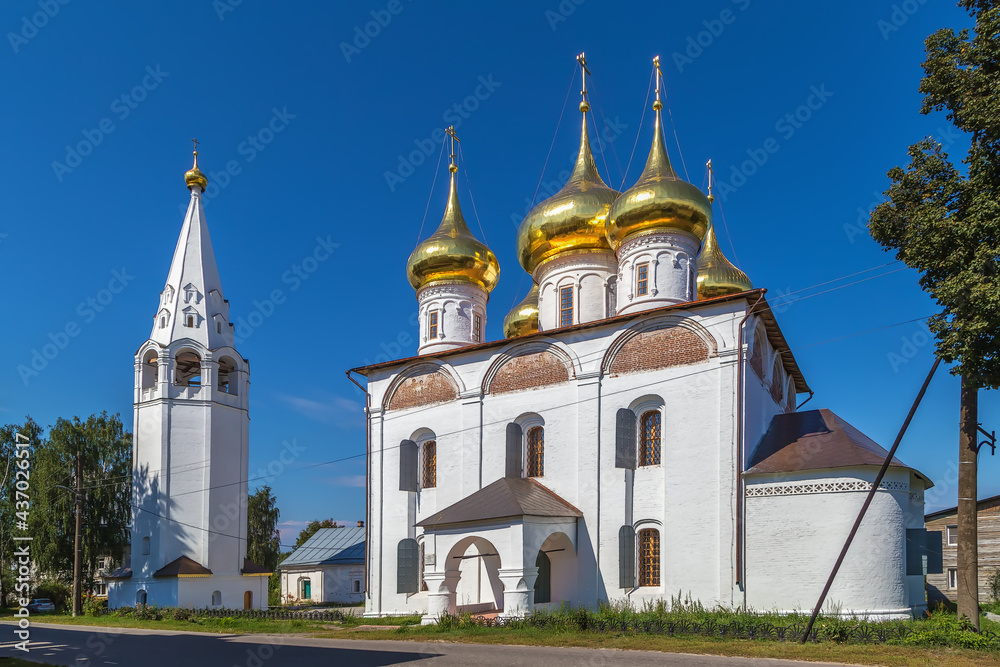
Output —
(659, 199)
(716, 275)
(523, 318)
(194, 176)
(452, 254)
(573, 219)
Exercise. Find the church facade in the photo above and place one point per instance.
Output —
(634, 436)
(190, 443)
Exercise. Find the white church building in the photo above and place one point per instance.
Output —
(190, 443)
(635, 435)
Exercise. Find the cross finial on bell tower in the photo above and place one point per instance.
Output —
(584, 71)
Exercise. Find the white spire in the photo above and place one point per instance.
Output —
(192, 304)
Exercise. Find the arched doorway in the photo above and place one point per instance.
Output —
(543, 582)
(248, 600)
(474, 564)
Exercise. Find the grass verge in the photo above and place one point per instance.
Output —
(217, 625)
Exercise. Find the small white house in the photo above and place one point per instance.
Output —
(329, 567)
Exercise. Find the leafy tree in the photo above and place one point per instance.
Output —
(105, 450)
(311, 530)
(8, 493)
(263, 537)
(946, 224)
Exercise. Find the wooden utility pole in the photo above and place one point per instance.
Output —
(76, 539)
(968, 495)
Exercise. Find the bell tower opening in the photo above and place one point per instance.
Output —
(188, 372)
(150, 370)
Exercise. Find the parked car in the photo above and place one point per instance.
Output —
(40, 605)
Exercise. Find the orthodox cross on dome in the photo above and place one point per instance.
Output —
(584, 71)
(711, 177)
(195, 142)
(454, 137)
(659, 75)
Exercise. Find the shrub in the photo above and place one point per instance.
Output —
(145, 612)
(94, 606)
(994, 584)
(181, 614)
(58, 592)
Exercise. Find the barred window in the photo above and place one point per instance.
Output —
(536, 452)
(432, 325)
(477, 329)
(566, 306)
(430, 465)
(649, 438)
(642, 280)
(649, 557)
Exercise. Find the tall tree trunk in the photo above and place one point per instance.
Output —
(968, 493)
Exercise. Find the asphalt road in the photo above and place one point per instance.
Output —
(91, 646)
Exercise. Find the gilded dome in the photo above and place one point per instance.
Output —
(658, 200)
(716, 275)
(193, 176)
(452, 254)
(573, 219)
(523, 318)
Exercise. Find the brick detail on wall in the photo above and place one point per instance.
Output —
(649, 350)
(424, 387)
(535, 369)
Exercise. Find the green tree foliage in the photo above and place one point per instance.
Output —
(944, 223)
(311, 529)
(8, 498)
(263, 538)
(106, 451)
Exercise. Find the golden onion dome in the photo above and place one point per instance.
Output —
(659, 199)
(523, 318)
(194, 176)
(716, 275)
(573, 219)
(452, 254)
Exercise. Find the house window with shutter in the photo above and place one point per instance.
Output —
(429, 477)
(649, 442)
(407, 566)
(649, 557)
(536, 451)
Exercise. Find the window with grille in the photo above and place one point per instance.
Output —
(430, 465)
(432, 325)
(536, 452)
(642, 280)
(477, 328)
(565, 306)
(649, 438)
(649, 557)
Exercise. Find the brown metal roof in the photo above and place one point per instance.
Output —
(181, 566)
(250, 567)
(763, 309)
(120, 573)
(815, 439)
(505, 498)
(984, 504)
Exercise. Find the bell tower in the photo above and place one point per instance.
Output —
(190, 444)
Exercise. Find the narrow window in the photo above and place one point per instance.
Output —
(140, 597)
(649, 444)
(952, 535)
(190, 320)
(163, 322)
(216, 598)
(477, 328)
(145, 546)
(430, 465)
(218, 327)
(432, 325)
(566, 306)
(536, 452)
(357, 586)
(642, 280)
(952, 577)
(649, 557)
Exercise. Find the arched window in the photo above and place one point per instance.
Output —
(140, 597)
(305, 588)
(536, 451)
(163, 321)
(247, 600)
(149, 369)
(429, 475)
(649, 438)
(649, 557)
(227, 376)
(757, 353)
(188, 372)
(777, 381)
(145, 546)
(216, 598)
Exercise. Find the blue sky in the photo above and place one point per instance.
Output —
(328, 135)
